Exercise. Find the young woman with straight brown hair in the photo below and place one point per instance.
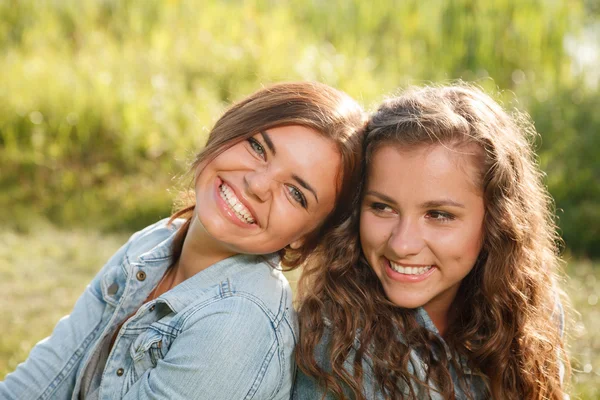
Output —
(195, 306)
(450, 290)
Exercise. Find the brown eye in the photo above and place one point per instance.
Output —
(381, 208)
(439, 216)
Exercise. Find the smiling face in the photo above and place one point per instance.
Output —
(421, 223)
(269, 191)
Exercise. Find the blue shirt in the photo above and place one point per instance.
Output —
(227, 332)
(306, 388)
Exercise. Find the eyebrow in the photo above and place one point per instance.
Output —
(442, 203)
(427, 204)
(382, 196)
(305, 185)
(268, 142)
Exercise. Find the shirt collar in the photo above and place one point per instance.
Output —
(425, 321)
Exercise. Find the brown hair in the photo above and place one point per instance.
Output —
(508, 321)
(330, 112)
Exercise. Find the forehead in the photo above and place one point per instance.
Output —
(429, 166)
(308, 154)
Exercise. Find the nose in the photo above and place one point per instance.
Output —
(259, 183)
(406, 239)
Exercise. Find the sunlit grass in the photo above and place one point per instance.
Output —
(584, 290)
(42, 273)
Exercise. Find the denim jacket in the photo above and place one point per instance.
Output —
(226, 333)
(306, 388)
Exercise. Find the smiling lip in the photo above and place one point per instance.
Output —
(225, 208)
(399, 277)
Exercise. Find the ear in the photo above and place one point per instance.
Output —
(295, 245)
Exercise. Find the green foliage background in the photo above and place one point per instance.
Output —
(103, 102)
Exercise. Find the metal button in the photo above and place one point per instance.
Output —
(152, 307)
(141, 275)
(159, 344)
(120, 372)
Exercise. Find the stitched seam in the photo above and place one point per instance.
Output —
(282, 363)
(190, 313)
(262, 371)
(71, 363)
(269, 356)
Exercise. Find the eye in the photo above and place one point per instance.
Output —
(440, 216)
(297, 195)
(257, 148)
(381, 208)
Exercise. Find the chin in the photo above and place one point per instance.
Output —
(403, 302)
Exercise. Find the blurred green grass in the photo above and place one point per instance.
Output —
(43, 272)
(102, 103)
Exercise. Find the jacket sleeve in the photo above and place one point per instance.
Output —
(232, 352)
(49, 371)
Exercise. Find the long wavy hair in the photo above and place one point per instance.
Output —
(508, 321)
(317, 106)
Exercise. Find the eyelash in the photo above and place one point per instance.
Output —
(441, 216)
(259, 150)
(435, 215)
(297, 195)
(381, 208)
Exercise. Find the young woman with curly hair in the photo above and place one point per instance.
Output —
(450, 291)
(196, 306)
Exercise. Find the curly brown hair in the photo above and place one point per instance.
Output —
(317, 106)
(508, 320)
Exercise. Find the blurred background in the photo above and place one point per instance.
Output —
(102, 104)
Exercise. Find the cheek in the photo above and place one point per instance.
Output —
(206, 169)
(292, 222)
(373, 232)
(465, 248)
(198, 172)
(364, 232)
(235, 157)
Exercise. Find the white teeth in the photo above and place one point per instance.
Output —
(409, 270)
(236, 205)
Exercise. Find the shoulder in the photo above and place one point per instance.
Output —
(370, 387)
(237, 288)
(307, 387)
(261, 282)
(322, 351)
(244, 338)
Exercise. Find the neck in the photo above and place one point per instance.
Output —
(440, 317)
(441, 309)
(440, 322)
(200, 250)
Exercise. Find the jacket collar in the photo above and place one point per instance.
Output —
(161, 256)
(217, 274)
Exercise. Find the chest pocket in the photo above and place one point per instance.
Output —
(147, 350)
